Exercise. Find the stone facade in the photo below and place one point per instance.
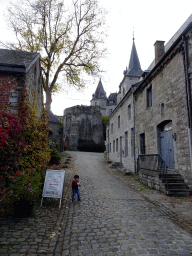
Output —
(55, 130)
(120, 144)
(19, 72)
(82, 125)
(167, 82)
(120, 139)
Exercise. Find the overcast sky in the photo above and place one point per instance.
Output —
(152, 20)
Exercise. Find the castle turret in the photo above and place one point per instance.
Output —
(134, 63)
(99, 98)
(131, 74)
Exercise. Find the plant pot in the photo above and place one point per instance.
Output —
(23, 208)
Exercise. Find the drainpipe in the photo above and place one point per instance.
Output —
(134, 129)
(107, 137)
(188, 91)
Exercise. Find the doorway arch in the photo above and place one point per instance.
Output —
(165, 139)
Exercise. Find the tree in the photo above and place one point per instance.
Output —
(68, 34)
(105, 121)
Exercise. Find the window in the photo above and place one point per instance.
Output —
(162, 109)
(95, 103)
(116, 145)
(118, 121)
(111, 128)
(126, 144)
(142, 143)
(149, 97)
(132, 142)
(110, 111)
(129, 112)
(120, 143)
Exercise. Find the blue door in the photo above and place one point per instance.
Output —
(166, 147)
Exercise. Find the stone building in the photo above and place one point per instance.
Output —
(120, 141)
(153, 115)
(163, 105)
(55, 130)
(82, 127)
(19, 72)
(99, 98)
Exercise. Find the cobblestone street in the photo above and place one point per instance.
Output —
(112, 219)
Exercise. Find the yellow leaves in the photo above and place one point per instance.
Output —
(53, 235)
(174, 243)
(36, 151)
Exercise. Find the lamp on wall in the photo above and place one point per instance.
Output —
(174, 136)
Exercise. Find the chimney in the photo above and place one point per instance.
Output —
(159, 50)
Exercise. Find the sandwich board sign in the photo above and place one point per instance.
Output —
(53, 185)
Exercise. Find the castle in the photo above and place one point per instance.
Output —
(131, 76)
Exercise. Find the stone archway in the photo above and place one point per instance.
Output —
(166, 143)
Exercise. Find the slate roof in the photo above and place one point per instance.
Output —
(99, 93)
(17, 61)
(53, 118)
(112, 97)
(134, 63)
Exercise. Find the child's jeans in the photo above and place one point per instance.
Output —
(78, 194)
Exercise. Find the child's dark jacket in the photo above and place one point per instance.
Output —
(75, 185)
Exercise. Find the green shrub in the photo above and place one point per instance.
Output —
(55, 154)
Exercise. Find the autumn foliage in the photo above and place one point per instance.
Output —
(24, 149)
(36, 150)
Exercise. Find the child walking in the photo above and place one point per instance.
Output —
(75, 187)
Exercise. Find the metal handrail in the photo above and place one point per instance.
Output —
(152, 162)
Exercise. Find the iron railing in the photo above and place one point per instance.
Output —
(152, 162)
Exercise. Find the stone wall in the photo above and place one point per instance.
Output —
(102, 103)
(115, 133)
(33, 84)
(151, 179)
(12, 86)
(55, 133)
(10, 91)
(82, 123)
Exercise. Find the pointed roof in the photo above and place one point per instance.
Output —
(53, 118)
(134, 64)
(100, 93)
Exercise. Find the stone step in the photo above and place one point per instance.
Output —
(176, 186)
(173, 180)
(180, 192)
(170, 176)
(116, 165)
